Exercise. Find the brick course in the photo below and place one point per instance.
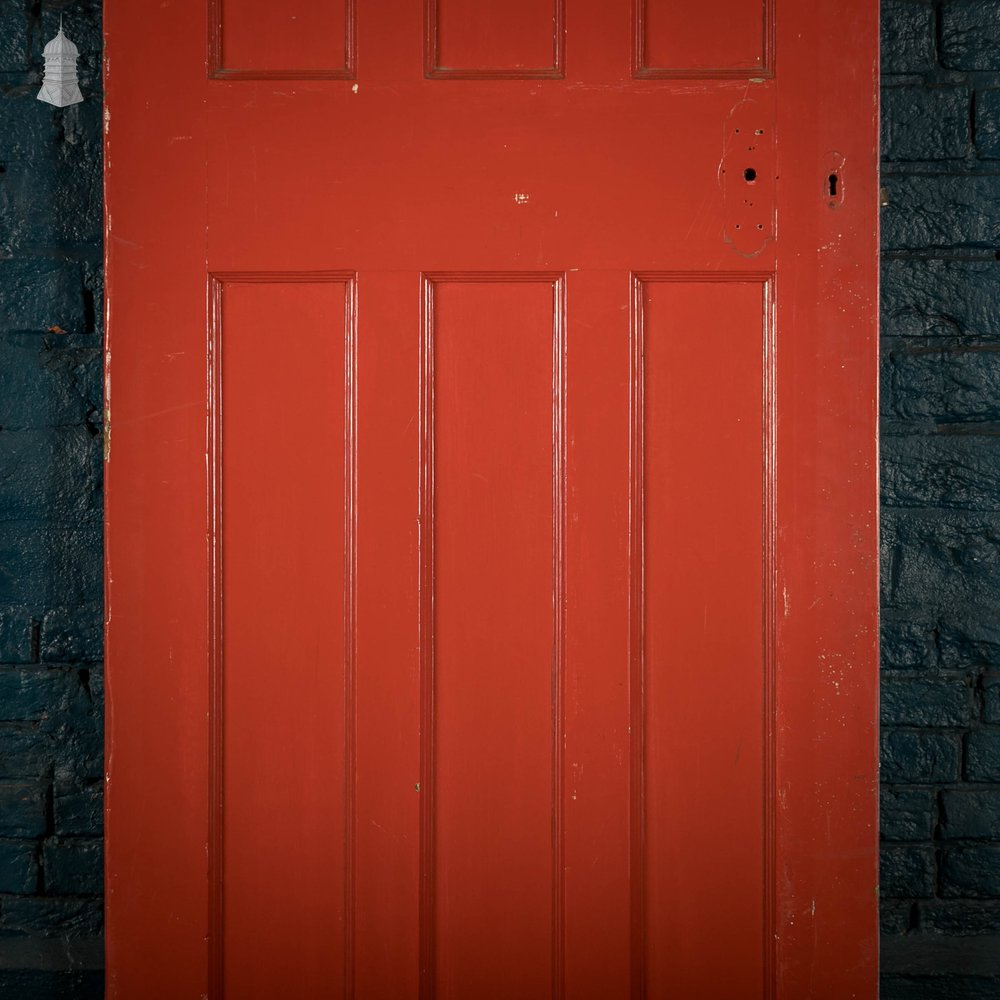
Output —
(940, 462)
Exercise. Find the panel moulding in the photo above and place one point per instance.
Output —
(427, 904)
(217, 283)
(217, 70)
(432, 52)
(637, 557)
(642, 70)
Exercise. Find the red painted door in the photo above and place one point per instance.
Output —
(491, 499)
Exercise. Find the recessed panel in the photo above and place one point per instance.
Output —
(494, 766)
(282, 701)
(495, 38)
(716, 38)
(703, 662)
(293, 39)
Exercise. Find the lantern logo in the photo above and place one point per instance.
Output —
(59, 86)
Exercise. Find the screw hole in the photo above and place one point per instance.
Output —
(760, 225)
(749, 175)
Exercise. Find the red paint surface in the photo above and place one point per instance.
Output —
(281, 714)
(297, 35)
(490, 719)
(701, 663)
(715, 37)
(491, 544)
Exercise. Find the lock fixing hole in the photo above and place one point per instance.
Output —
(749, 175)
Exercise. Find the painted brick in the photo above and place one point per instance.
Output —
(58, 566)
(51, 733)
(895, 915)
(970, 814)
(30, 129)
(27, 750)
(938, 958)
(49, 984)
(899, 986)
(906, 646)
(78, 811)
(66, 746)
(51, 915)
(906, 813)
(908, 702)
(982, 756)
(991, 698)
(970, 34)
(37, 294)
(14, 43)
(18, 866)
(78, 752)
(16, 635)
(36, 692)
(925, 123)
(988, 123)
(944, 564)
(19, 216)
(919, 757)
(72, 635)
(906, 872)
(972, 872)
(47, 204)
(973, 644)
(960, 918)
(944, 381)
(22, 809)
(95, 687)
(907, 36)
(73, 865)
(941, 211)
(48, 381)
(940, 298)
(52, 474)
(941, 471)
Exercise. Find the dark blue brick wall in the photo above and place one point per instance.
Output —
(51, 707)
(941, 499)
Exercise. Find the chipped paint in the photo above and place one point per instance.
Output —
(106, 428)
(747, 177)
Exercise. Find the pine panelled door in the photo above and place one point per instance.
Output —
(491, 544)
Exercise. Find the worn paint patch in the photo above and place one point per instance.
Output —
(747, 178)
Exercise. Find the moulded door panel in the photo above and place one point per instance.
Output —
(491, 500)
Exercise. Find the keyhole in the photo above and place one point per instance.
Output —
(832, 185)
